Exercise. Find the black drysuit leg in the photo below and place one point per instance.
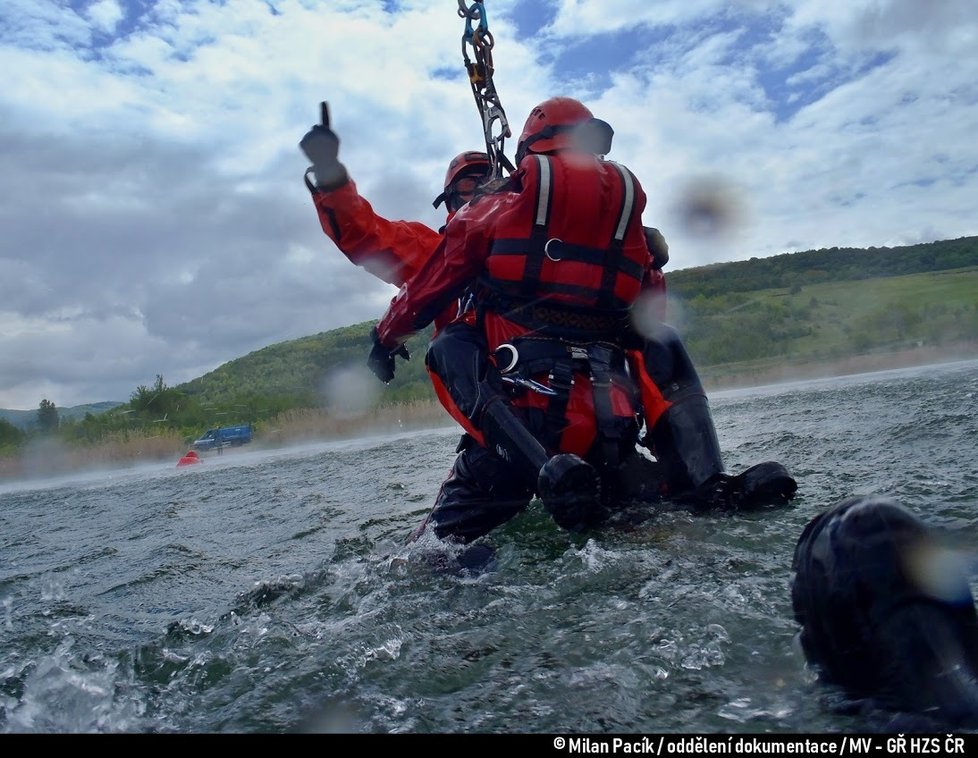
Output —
(479, 495)
(684, 438)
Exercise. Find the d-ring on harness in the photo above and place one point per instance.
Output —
(514, 357)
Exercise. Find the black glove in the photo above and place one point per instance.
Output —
(321, 146)
(657, 246)
(381, 359)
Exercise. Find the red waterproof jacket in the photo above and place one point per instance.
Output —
(390, 250)
(591, 254)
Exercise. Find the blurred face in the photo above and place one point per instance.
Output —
(463, 189)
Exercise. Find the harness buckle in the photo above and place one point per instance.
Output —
(578, 353)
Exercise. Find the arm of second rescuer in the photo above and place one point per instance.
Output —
(455, 264)
(393, 251)
(390, 250)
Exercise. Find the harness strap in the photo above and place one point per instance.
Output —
(626, 208)
(538, 236)
(609, 428)
(561, 379)
(558, 250)
(616, 247)
(602, 361)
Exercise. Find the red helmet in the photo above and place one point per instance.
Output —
(469, 163)
(560, 123)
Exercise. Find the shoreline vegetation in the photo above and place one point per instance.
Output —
(52, 457)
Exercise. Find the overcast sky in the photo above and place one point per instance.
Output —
(154, 218)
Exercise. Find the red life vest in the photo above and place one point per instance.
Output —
(564, 266)
(579, 244)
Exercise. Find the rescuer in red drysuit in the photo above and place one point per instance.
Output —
(482, 491)
(559, 256)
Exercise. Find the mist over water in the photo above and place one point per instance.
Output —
(275, 591)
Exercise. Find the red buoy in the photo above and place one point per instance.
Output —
(190, 458)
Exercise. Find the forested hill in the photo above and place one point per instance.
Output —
(835, 264)
(297, 373)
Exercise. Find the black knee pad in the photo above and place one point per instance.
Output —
(458, 356)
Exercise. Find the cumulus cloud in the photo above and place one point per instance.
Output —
(155, 220)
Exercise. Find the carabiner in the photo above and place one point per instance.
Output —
(530, 384)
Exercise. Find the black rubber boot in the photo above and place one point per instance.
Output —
(636, 479)
(685, 443)
(470, 560)
(477, 559)
(571, 492)
(765, 484)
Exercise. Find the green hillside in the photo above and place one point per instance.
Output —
(831, 320)
(806, 306)
(294, 372)
(836, 264)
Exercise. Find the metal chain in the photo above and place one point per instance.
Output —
(494, 123)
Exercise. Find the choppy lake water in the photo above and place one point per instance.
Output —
(274, 591)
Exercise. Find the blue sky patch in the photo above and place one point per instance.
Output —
(530, 17)
(591, 61)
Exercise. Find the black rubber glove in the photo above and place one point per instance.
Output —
(381, 359)
(321, 146)
(657, 246)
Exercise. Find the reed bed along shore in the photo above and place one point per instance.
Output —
(50, 456)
